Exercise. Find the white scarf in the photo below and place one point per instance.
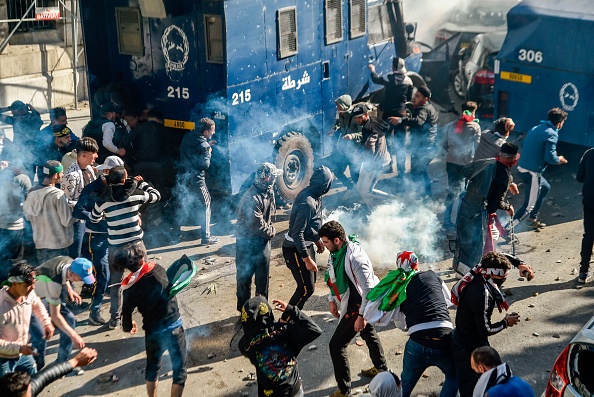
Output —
(492, 377)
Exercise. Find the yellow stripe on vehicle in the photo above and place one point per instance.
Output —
(517, 77)
(180, 124)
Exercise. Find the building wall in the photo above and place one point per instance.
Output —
(36, 67)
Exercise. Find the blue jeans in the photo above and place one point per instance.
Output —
(79, 231)
(94, 248)
(22, 363)
(38, 341)
(417, 358)
(537, 189)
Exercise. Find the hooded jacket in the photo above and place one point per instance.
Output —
(346, 124)
(254, 214)
(194, 157)
(489, 145)
(306, 215)
(50, 216)
(273, 347)
(423, 126)
(398, 91)
(540, 147)
(373, 139)
(15, 319)
(120, 204)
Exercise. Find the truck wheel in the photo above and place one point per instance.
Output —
(294, 155)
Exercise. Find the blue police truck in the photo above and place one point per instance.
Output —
(545, 62)
(267, 71)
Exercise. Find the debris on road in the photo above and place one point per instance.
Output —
(556, 335)
(212, 287)
(312, 347)
(535, 334)
(531, 305)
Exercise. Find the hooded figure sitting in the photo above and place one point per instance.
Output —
(273, 346)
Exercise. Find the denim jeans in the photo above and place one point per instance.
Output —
(38, 341)
(45, 254)
(173, 341)
(65, 347)
(417, 358)
(94, 248)
(74, 251)
(22, 363)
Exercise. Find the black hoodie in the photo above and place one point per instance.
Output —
(306, 214)
(273, 347)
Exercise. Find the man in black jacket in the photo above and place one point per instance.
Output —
(585, 175)
(146, 289)
(273, 347)
(195, 155)
(254, 232)
(488, 182)
(477, 295)
(398, 90)
(422, 125)
(298, 247)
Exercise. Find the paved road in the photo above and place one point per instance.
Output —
(551, 301)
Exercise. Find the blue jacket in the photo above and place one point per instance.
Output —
(540, 147)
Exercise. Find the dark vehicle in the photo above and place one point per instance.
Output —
(572, 373)
(474, 17)
(267, 71)
(481, 89)
(546, 62)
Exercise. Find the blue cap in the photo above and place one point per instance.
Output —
(84, 268)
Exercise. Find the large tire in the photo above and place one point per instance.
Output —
(294, 155)
(459, 84)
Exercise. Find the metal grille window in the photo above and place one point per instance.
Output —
(129, 31)
(287, 32)
(333, 21)
(357, 18)
(379, 24)
(18, 8)
(213, 27)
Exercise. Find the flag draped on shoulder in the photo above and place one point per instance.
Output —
(336, 277)
(386, 297)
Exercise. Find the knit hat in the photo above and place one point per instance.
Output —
(61, 131)
(84, 269)
(359, 110)
(425, 91)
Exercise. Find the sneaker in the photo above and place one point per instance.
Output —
(338, 393)
(76, 371)
(370, 373)
(114, 323)
(536, 224)
(210, 241)
(584, 278)
(97, 320)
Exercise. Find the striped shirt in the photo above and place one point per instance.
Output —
(122, 216)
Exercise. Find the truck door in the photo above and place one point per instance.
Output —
(175, 66)
(334, 62)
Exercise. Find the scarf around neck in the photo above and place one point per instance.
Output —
(466, 117)
(488, 283)
(335, 276)
(133, 278)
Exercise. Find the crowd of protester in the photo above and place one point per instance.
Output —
(78, 210)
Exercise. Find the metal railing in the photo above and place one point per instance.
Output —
(17, 10)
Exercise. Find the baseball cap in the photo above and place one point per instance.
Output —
(52, 167)
(61, 131)
(84, 268)
(266, 169)
(18, 105)
(359, 110)
(110, 162)
(107, 107)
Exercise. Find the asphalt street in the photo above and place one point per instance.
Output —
(552, 309)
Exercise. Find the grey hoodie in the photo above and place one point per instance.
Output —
(12, 193)
(50, 216)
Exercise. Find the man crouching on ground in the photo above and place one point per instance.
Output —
(145, 288)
